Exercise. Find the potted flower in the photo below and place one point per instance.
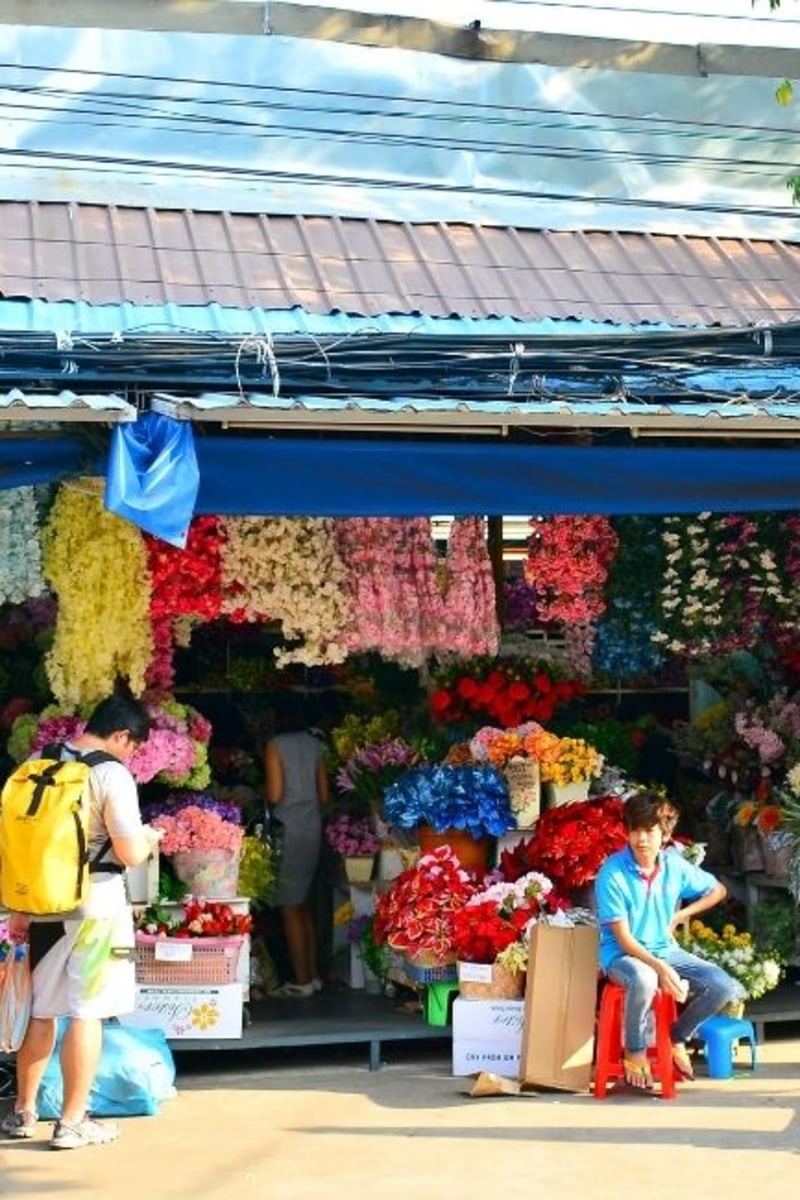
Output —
(366, 774)
(415, 915)
(737, 953)
(490, 935)
(513, 751)
(567, 765)
(203, 838)
(445, 802)
(356, 841)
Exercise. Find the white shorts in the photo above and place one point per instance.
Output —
(83, 967)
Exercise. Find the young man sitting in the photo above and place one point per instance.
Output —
(638, 893)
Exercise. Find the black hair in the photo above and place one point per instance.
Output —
(291, 713)
(644, 810)
(117, 713)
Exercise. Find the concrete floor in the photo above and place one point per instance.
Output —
(308, 1125)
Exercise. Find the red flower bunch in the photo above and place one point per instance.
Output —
(567, 566)
(570, 843)
(201, 918)
(499, 916)
(416, 914)
(503, 691)
(188, 582)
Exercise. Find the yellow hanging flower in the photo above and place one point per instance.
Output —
(97, 565)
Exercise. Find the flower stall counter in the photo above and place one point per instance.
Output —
(193, 967)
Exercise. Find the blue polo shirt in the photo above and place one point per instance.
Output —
(648, 905)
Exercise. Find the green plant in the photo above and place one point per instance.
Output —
(775, 926)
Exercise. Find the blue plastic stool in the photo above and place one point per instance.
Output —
(719, 1035)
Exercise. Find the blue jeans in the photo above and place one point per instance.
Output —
(710, 989)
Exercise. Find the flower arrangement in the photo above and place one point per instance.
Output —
(415, 915)
(356, 731)
(504, 691)
(471, 798)
(567, 565)
(351, 836)
(499, 746)
(97, 565)
(499, 917)
(257, 870)
(175, 752)
(368, 772)
(200, 918)
(570, 843)
(736, 953)
(196, 826)
(561, 760)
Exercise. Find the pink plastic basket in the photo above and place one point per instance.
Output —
(214, 960)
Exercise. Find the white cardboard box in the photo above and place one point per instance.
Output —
(201, 1011)
(487, 1036)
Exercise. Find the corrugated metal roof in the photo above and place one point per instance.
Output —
(19, 406)
(108, 254)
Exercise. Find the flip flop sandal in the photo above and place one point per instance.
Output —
(637, 1074)
(682, 1063)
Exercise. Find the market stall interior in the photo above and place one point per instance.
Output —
(486, 691)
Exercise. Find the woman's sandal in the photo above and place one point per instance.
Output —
(682, 1063)
(637, 1074)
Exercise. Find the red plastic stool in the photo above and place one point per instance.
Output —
(609, 1044)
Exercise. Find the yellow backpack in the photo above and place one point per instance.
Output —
(44, 828)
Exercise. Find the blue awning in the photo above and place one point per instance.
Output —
(337, 478)
(26, 461)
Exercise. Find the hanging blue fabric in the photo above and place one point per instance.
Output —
(153, 477)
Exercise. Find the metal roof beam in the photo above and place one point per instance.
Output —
(477, 40)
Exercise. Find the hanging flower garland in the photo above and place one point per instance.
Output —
(186, 589)
(20, 546)
(470, 624)
(288, 569)
(624, 647)
(393, 587)
(96, 564)
(724, 585)
(567, 565)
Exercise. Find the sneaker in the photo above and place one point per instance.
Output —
(292, 991)
(83, 1133)
(19, 1124)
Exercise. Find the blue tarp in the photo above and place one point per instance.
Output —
(291, 476)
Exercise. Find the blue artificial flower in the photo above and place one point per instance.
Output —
(471, 798)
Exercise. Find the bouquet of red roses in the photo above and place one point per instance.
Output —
(570, 843)
(416, 914)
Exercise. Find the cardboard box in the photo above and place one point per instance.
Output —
(209, 1011)
(560, 1004)
(487, 1036)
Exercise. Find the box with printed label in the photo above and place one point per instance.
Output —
(203, 1011)
(487, 1036)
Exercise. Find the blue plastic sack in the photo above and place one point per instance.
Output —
(136, 1072)
(153, 477)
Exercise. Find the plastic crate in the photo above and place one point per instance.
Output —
(442, 973)
(213, 960)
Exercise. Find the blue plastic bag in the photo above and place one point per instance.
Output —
(136, 1072)
(153, 478)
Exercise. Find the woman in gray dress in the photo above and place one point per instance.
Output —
(297, 788)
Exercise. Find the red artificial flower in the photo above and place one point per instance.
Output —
(570, 843)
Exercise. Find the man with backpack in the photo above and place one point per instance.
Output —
(82, 960)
